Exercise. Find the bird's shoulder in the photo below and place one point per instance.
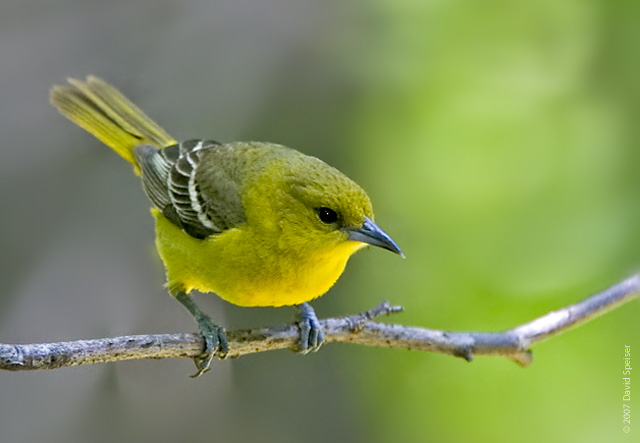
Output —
(198, 184)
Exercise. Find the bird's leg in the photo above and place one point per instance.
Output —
(311, 337)
(215, 337)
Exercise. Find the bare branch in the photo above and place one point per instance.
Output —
(358, 329)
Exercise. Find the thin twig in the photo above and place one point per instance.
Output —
(358, 329)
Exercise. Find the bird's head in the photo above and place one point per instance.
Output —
(322, 208)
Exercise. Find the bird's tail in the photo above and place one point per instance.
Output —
(106, 113)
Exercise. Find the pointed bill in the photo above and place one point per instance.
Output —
(372, 234)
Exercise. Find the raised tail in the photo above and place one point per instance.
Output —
(106, 113)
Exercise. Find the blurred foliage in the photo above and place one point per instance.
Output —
(504, 149)
(497, 139)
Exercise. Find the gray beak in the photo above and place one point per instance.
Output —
(371, 233)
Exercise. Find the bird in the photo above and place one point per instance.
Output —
(256, 223)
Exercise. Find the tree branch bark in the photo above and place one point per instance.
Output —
(359, 329)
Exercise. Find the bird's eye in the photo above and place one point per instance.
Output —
(327, 215)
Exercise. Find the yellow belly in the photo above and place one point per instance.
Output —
(241, 270)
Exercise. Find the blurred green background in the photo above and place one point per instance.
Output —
(500, 145)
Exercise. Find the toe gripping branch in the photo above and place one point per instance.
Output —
(311, 336)
(215, 337)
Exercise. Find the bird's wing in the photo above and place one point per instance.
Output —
(195, 184)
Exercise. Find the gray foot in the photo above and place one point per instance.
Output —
(311, 337)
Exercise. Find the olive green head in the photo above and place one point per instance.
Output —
(320, 206)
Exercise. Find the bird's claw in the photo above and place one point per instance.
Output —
(215, 345)
(311, 336)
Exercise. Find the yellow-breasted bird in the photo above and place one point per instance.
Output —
(259, 224)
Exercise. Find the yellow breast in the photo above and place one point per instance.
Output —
(243, 271)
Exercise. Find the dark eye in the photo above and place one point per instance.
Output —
(327, 215)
